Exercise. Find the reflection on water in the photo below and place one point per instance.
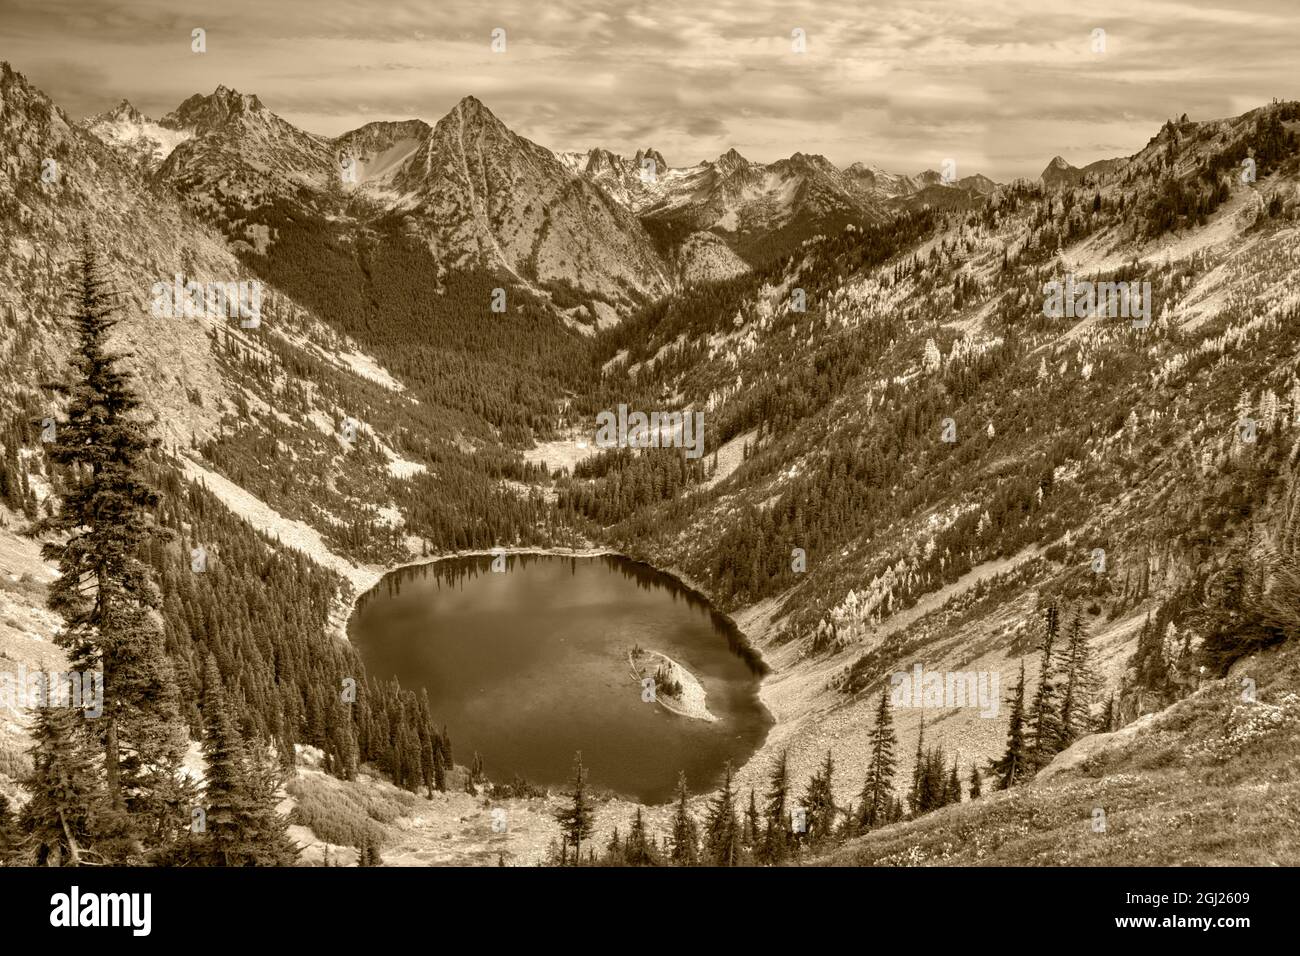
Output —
(529, 665)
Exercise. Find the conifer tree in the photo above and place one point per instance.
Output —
(952, 791)
(776, 838)
(1081, 684)
(428, 745)
(439, 772)
(685, 833)
(750, 834)
(1106, 723)
(976, 783)
(722, 829)
(59, 821)
(819, 802)
(1010, 768)
(932, 784)
(268, 828)
(636, 850)
(578, 816)
(877, 790)
(241, 825)
(1044, 715)
(105, 592)
(916, 797)
(368, 853)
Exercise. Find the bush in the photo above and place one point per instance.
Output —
(345, 812)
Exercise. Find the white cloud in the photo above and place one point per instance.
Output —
(904, 81)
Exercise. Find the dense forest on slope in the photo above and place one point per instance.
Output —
(434, 329)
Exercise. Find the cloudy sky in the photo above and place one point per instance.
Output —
(999, 86)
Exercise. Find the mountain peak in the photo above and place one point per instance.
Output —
(599, 158)
(870, 171)
(235, 98)
(812, 161)
(1059, 172)
(221, 107)
(470, 105)
(125, 110)
(730, 161)
(471, 112)
(650, 152)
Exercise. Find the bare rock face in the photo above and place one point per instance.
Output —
(241, 155)
(66, 185)
(480, 193)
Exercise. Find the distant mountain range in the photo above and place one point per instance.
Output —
(615, 226)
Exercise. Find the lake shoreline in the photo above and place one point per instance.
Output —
(744, 641)
(749, 651)
(347, 606)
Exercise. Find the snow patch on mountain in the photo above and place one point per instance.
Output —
(126, 127)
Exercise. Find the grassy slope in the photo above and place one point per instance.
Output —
(1210, 779)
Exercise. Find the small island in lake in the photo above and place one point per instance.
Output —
(676, 688)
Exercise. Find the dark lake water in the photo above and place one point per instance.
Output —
(529, 665)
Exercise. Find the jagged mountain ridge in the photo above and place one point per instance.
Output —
(128, 128)
(228, 154)
(1058, 172)
(473, 191)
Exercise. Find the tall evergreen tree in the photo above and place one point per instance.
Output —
(1011, 767)
(819, 802)
(776, 836)
(750, 834)
(614, 849)
(952, 790)
(1081, 683)
(1044, 715)
(878, 788)
(976, 783)
(578, 816)
(722, 829)
(916, 796)
(105, 592)
(368, 854)
(932, 783)
(637, 850)
(1106, 723)
(685, 832)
